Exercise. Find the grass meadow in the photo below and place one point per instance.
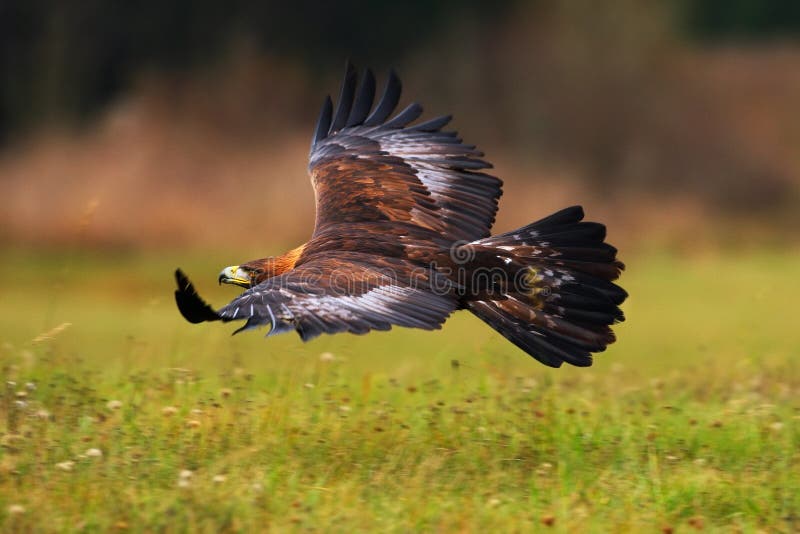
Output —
(116, 414)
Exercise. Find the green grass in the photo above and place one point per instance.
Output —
(689, 421)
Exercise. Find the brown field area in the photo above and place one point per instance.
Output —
(710, 158)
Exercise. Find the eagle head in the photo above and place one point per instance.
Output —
(239, 275)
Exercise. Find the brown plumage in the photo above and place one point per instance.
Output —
(402, 237)
(273, 266)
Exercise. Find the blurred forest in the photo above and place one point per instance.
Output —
(187, 123)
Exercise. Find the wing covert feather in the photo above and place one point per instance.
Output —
(345, 292)
(378, 168)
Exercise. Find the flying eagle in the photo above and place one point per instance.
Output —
(402, 237)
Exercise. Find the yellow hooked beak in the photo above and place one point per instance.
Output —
(236, 276)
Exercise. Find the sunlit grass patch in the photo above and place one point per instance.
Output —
(133, 419)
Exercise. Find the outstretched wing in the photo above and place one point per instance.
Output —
(193, 308)
(343, 292)
(367, 167)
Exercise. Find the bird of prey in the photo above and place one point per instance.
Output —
(402, 237)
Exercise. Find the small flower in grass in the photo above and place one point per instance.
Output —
(16, 509)
(344, 408)
(700, 461)
(66, 466)
(219, 479)
(22, 394)
(309, 385)
(327, 357)
(193, 423)
(43, 415)
(114, 405)
(256, 487)
(493, 502)
(197, 411)
(777, 426)
(169, 410)
(94, 453)
(672, 458)
(185, 478)
(544, 469)
(30, 386)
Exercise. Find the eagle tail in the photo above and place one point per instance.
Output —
(557, 301)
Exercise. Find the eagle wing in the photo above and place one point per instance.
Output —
(334, 292)
(370, 169)
(386, 193)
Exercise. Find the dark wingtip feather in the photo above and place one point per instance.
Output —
(364, 99)
(323, 122)
(433, 125)
(193, 308)
(568, 215)
(409, 114)
(389, 100)
(345, 98)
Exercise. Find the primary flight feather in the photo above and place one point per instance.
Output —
(402, 237)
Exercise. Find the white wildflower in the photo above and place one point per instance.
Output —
(66, 466)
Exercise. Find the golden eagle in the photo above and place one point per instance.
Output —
(402, 237)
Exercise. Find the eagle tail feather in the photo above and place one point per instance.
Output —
(558, 301)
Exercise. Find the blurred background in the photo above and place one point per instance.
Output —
(164, 124)
(137, 137)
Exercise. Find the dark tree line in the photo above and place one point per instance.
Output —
(64, 60)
